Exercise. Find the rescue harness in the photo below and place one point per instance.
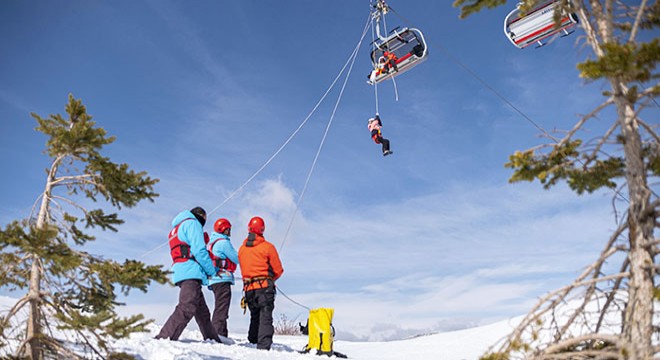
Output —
(257, 279)
(221, 264)
(249, 281)
(179, 250)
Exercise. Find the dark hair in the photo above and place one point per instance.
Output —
(200, 214)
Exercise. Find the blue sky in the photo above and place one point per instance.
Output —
(201, 93)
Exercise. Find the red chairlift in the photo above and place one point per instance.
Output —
(537, 25)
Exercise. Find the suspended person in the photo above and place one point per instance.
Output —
(225, 259)
(380, 69)
(191, 268)
(260, 266)
(374, 127)
(390, 61)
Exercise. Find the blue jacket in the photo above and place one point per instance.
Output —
(224, 250)
(192, 233)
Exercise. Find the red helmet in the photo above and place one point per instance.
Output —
(221, 225)
(256, 225)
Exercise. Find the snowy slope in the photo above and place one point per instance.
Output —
(465, 344)
(457, 345)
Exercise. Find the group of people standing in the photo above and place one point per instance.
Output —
(201, 260)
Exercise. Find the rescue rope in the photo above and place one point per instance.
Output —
(374, 24)
(350, 60)
(373, 49)
(396, 90)
(279, 290)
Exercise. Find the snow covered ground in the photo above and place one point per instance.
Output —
(466, 344)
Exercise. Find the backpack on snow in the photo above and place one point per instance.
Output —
(321, 332)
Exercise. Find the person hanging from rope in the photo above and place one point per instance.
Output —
(380, 69)
(374, 127)
(390, 61)
(225, 260)
(191, 268)
(386, 63)
(260, 267)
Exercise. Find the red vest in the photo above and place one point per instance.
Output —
(179, 250)
(220, 263)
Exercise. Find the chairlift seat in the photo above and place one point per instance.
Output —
(537, 25)
(409, 47)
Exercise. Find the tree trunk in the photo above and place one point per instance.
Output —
(638, 317)
(34, 345)
(33, 326)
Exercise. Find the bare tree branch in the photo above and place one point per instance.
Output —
(638, 20)
(580, 339)
(584, 119)
(648, 129)
(16, 308)
(73, 179)
(600, 144)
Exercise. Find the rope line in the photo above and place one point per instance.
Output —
(279, 290)
(351, 59)
(288, 140)
(373, 48)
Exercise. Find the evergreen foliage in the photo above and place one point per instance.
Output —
(68, 288)
(624, 54)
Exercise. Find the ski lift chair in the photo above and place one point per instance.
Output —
(407, 44)
(537, 25)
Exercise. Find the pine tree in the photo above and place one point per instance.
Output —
(68, 289)
(626, 158)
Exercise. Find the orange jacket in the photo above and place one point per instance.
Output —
(259, 261)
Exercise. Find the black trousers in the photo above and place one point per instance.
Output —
(261, 303)
(222, 293)
(191, 304)
(379, 139)
(384, 142)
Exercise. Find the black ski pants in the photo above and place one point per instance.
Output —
(385, 142)
(222, 294)
(261, 303)
(379, 139)
(191, 304)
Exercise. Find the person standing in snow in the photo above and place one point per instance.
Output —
(192, 267)
(225, 260)
(374, 128)
(260, 267)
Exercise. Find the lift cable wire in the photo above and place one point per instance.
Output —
(256, 173)
(351, 60)
(484, 83)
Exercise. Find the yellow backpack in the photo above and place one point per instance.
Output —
(321, 332)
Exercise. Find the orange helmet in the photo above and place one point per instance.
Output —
(256, 225)
(221, 225)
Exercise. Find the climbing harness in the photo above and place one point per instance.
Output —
(220, 264)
